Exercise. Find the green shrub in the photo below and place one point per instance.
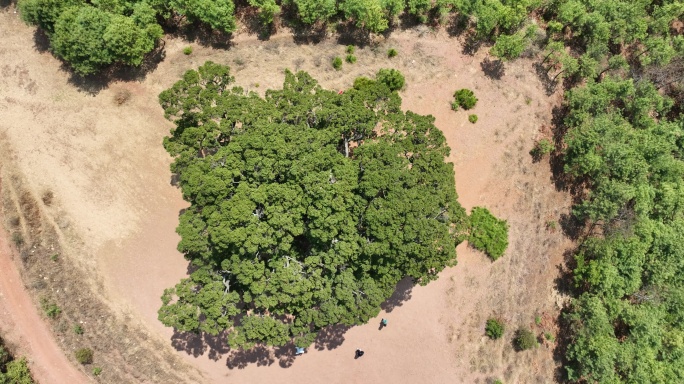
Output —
(538, 320)
(497, 381)
(337, 63)
(392, 53)
(391, 78)
(97, 371)
(350, 49)
(550, 337)
(17, 372)
(464, 98)
(541, 148)
(187, 50)
(494, 328)
(84, 356)
(51, 309)
(472, 118)
(351, 59)
(487, 233)
(524, 339)
(78, 329)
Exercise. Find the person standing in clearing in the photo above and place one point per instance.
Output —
(383, 323)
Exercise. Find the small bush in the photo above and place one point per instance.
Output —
(494, 329)
(392, 53)
(391, 78)
(524, 339)
(472, 118)
(187, 50)
(464, 98)
(350, 49)
(17, 239)
(487, 233)
(351, 59)
(84, 356)
(541, 148)
(54, 257)
(551, 225)
(122, 96)
(78, 329)
(538, 320)
(337, 63)
(97, 371)
(549, 337)
(51, 309)
(497, 382)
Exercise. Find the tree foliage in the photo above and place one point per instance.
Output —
(487, 233)
(13, 371)
(307, 206)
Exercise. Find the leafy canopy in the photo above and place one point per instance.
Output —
(307, 206)
(488, 234)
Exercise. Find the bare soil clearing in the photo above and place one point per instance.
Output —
(116, 208)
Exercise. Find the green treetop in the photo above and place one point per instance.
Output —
(307, 206)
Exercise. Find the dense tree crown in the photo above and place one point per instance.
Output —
(307, 206)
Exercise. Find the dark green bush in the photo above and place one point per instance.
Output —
(541, 148)
(187, 50)
(337, 63)
(392, 53)
(464, 98)
(51, 309)
(351, 59)
(472, 118)
(391, 78)
(84, 356)
(350, 49)
(487, 233)
(78, 329)
(97, 371)
(524, 339)
(494, 328)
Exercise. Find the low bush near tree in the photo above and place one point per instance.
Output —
(487, 233)
(472, 118)
(351, 59)
(392, 53)
(392, 78)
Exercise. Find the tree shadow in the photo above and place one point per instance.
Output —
(563, 340)
(331, 337)
(201, 34)
(401, 294)
(250, 18)
(457, 24)
(262, 356)
(349, 34)
(494, 69)
(550, 86)
(197, 344)
(7, 3)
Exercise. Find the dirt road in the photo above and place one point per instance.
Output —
(22, 327)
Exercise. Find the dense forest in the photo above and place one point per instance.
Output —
(619, 137)
(308, 206)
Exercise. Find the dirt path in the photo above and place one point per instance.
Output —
(22, 327)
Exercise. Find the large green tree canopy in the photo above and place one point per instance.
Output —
(307, 206)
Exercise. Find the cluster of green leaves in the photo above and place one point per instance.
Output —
(91, 35)
(494, 328)
(487, 233)
(84, 355)
(605, 36)
(627, 322)
(541, 148)
(524, 339)
(464, 98)
(13, 371)
(307, 206)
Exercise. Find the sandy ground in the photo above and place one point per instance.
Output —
(114, 200)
